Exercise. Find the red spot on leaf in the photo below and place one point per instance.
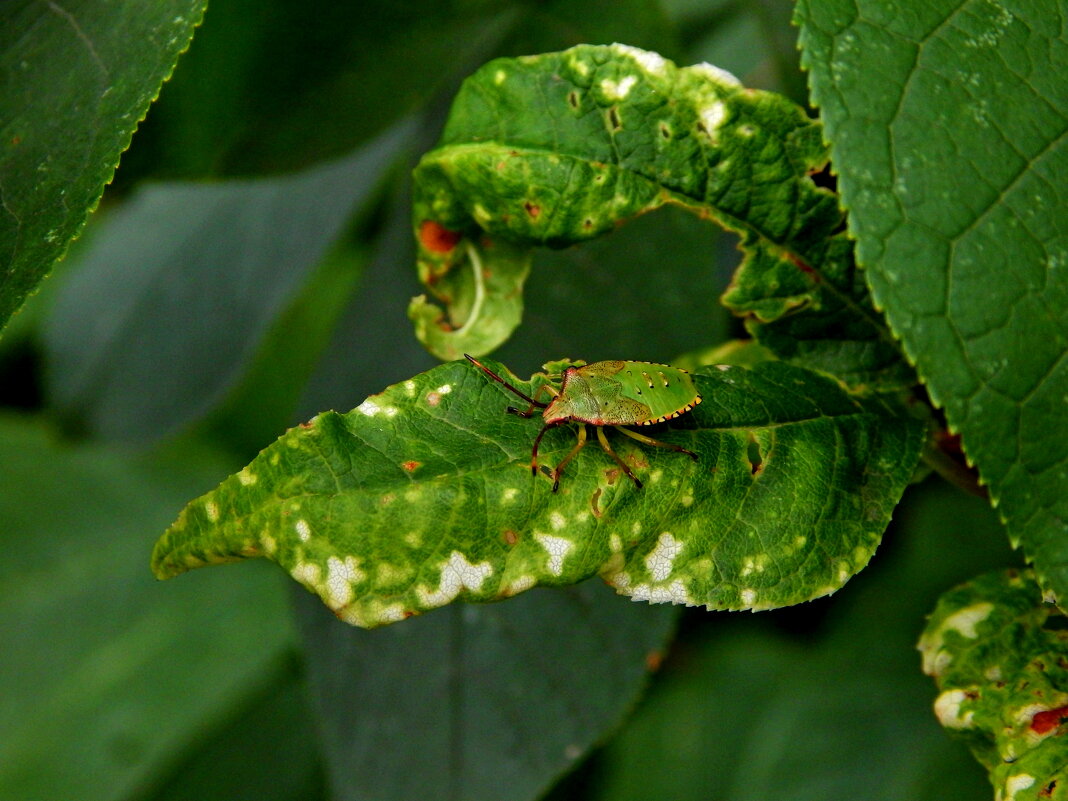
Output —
(593, 503)
(533, 210)
(436, 238)
(16, 140)
(411, 465)
(510, 537)
(1046, 721)
(308, 424)
(433, 398)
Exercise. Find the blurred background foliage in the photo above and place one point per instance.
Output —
(250, 266)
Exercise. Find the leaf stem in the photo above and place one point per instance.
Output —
(936, 453)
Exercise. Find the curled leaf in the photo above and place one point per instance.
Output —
(556, 149)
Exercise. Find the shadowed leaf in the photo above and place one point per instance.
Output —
(78, 76)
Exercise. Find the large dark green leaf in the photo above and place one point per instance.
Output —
(177, 290)
(77, 78)
(107, 674)
(478, 702)
(561, 148)
(268, 752)
(423, 494)
(948, 124)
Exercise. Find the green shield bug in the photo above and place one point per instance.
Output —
(611, 393)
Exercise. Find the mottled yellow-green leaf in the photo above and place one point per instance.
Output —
(999, 653)
(423, 494)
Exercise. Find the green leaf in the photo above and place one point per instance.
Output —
(750, 710)
(560, 148)
(507, 696)
(999, 654)
(948, 129)
(216, 264)
(79, 76)
(106, 673)
(269, 752)
(423, 494)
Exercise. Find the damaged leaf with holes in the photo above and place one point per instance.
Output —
(999, 654)
(423, 495)
(555, 149)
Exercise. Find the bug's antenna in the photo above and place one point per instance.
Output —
(504, 383)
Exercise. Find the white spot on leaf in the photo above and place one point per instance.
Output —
(717, 74)
(212, 510)
(965, 620)
(369, 408)
(444, 389)
(557, 548)
(307, 573)
(521, 584)
(618, 90)
(947, 709)
(303, 530)
(340, 576)
(557, 521)
(749, 597)
(674, 593)
(246, 477)
(456, 574)
(1013, 784)
(660, 559)
(647, 60)
(713, 116)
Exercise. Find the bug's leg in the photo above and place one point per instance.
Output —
(578, 447)
(534, 450)
(608, 449)
(535, 404)
(655, 442)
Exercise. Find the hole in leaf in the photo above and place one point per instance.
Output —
(613, 119)
(753, 454)
(1056, 622)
